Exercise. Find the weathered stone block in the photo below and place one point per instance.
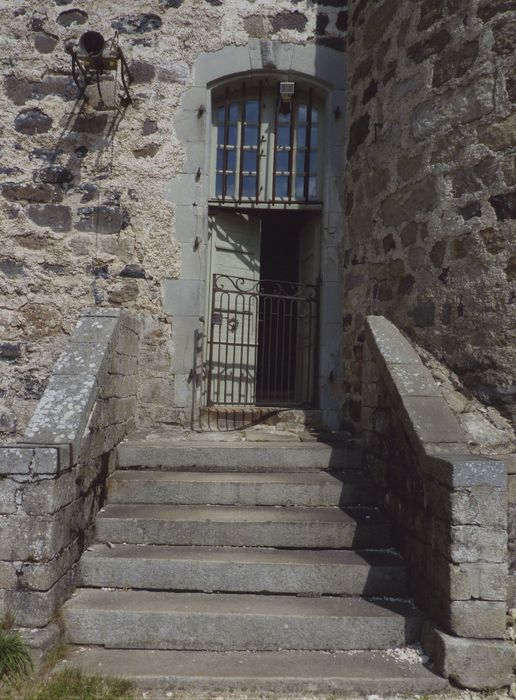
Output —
(8, 576)
(499, 135)
(41, 642)
(504, 205)
(45, 42)
(358, 133)
(464, 471)
(37, 609)
(26, 192)
(142, 72)
(478, 619)
(8, 491)
(15, 460)
(63, 412)
(33, 121)
(10, 351)
(69, 17)
(460, 106)
(378, 21)
(430, 420)
(55, 175)
(7, 422)
(478, 505)
(469, 663)
(56, 216)
(80, 358)
(41, 576)
(435, 43)
(504, 32)
(138, 24)
(177, 72)
(477, 581)
(472, 544)
(90, 123)
(47, 496)
(455, 63)
(103, 219)
(133, 270)
(388, 344)
(288, 20)
(49, 460)
(409, 202)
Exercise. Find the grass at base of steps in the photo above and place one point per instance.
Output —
(69, 685)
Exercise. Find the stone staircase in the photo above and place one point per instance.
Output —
(209, 550)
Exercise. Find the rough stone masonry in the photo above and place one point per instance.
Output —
(430, 196)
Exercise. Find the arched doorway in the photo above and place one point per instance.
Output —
(264, 223)
(198, 205)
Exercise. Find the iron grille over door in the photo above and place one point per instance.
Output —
(261, 348)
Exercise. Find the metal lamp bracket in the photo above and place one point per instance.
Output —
(93, 57)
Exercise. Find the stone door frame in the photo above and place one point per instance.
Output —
(184, 298)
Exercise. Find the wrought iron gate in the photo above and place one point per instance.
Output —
(262, 342)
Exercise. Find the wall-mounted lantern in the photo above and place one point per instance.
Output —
(286, 93)
(93, 59)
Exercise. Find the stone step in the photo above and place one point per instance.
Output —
(263, 526)
(231, 622)
(247, 570)
(286, 672)
(204, 455)
(233, 488)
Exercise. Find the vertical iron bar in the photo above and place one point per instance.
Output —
(317, 312)
(277, 344)
(291, 142)
(259, 355)
(281, 321)
(224, 385)
(275, 150)
(212, 340)
(241, 155)
(225, 152)
(291, 360)
(194, 376)
(258, 145)
(308, 144)
(240, 326)
(269, 348)
(253, 324)
(309, 351)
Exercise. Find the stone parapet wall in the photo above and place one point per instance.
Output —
(448, 508)
(431, 193)
(54, 482)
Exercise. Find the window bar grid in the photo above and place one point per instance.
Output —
(242, 132)
(259, 145)
(226, 138)
(308, 143)
(291, 147)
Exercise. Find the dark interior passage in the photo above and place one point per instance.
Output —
(278, 310)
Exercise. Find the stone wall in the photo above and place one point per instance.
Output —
(83, 217)
(448, 509)
(54, 482)
(431, 198)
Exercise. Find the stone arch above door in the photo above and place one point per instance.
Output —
(184, 297)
